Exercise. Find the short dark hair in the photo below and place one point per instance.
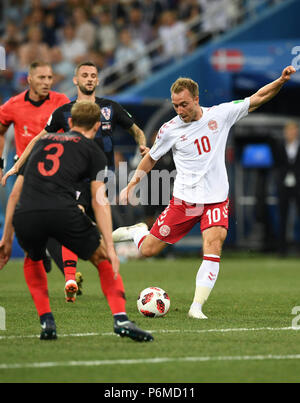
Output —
(85, 114)
(87, 63)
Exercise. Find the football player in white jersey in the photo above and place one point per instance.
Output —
(197, 137)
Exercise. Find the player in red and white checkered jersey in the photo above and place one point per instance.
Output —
(197, 137)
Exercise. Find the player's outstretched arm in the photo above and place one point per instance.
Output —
(23, 158)
(140, 139)
(142, 170)
(269, 91)
(8, 231)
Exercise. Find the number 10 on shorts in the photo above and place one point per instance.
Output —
(213, 215)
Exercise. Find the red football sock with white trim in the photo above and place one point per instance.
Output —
(206, 278)
(112, 288)
(36, 279)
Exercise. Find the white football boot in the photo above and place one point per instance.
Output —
(124, 234)
(196, 313)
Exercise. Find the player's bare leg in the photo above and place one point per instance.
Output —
(213, 239)
(151, 246)
(99, 254)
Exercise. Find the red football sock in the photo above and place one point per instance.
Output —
(69, 261)
(113, 289)
(36, 279)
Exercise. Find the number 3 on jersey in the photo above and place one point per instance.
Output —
(54, 157)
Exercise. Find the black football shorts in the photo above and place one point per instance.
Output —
(72, 228)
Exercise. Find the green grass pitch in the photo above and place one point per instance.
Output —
(250, 334)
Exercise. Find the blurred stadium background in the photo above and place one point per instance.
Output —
(230, 47)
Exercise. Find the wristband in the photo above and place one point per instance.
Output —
(1, 163)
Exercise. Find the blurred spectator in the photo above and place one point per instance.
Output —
(172, 4)
(49, 30)
(12, 33)
(51, 5)
(130, 56)
(101, 61)
(106, 33)
(255, 7)
(98, 22)
(63, 71)
(33, 49)
(98, 57)
(173, 35)
(138, 27)
(287, 160)
(117, 10)
(152, 10)
(215, 16)
(16, 9)
(73, 49)
(35, 16)
(58, 8)
(7, 87)
(11, 49)
(191, 13)
(45, 20)
(70, 5)
(85, 30)
(185, 8)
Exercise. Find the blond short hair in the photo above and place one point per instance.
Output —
(85, 114)
(38, 63)
(184, 83)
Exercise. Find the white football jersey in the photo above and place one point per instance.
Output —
(199, 151)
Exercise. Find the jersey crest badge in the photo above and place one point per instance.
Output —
(164, 230)
(106, 112)
(212, 125)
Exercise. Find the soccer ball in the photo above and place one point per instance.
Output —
(153, 302)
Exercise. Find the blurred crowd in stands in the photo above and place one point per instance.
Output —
(66, 32)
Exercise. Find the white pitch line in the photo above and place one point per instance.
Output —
(143, 361)
(238, 329)
(164, 331)
(36, 336)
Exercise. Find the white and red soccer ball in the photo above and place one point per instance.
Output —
(153, 302)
